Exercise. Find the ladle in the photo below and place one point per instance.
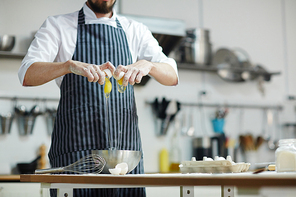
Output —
(170, 111)
(271, 144)
(191, 129)
(184, 126)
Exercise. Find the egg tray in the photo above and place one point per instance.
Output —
(224, 166)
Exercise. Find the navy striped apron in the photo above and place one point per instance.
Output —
(82, 122)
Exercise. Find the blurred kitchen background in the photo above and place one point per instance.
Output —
(247, 73)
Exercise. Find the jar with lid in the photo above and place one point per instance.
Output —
(285, 156)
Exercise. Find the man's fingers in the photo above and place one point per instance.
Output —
(119, 72)
(87, 73)
(93, 71)
(101, 80)
(108, 65)
(134, 74)
(139, 78)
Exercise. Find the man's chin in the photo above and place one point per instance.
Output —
(102, 8)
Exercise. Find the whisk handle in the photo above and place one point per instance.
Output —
(49, 170)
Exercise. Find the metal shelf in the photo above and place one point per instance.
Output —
(217, 105)
(9, 54)
(15, 98)
(211, 68)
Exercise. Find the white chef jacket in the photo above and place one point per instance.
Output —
(55, 41)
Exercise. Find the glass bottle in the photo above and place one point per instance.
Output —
(285, 156)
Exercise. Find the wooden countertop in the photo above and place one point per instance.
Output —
(9, 178)
(235, 179)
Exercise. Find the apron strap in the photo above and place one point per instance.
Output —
(81, 17)
(118, 24)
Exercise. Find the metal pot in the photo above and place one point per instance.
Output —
(7, 42)
(196, 47)
(202, 47)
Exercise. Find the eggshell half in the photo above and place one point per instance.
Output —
(124, 168)
(115, 171)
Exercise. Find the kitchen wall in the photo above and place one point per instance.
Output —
(265, 29)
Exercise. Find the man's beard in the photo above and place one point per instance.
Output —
(102, 8)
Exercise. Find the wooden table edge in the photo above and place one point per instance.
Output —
(163, 181)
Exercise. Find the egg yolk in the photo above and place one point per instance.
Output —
(120, 81)
(107, 87)
(120, 87)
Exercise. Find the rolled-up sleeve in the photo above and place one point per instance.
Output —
(149, 49)
(143, 45)
(44, 47)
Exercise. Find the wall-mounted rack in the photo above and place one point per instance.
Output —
(245, 106)
(216, 105)
(13, 55)
(15, 98)
(210, 68)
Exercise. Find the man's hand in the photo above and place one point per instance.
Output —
(94, 73)
(133, 72)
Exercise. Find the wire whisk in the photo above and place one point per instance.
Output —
(92, 163)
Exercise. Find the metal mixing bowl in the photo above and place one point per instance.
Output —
(114, 157)
(7, 42)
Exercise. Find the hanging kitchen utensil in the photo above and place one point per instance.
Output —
(165, 111)
(270, 127)
(20, 110)
(264, 127)
(171, 110)
(34, 112)
(278, 127)
(50, 115)
(6, 122)
(159, 109)
(232, 64)
(156, 109)
(259, 70)
(191, 129)
(26, 119)
(184, 126)
(259, 142)
(203, 120)
(240, 139)
(92, 163)
(21, 113)
(261, 78)
(162, 108)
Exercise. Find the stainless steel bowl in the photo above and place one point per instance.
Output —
(114, 157)
(7, 42)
